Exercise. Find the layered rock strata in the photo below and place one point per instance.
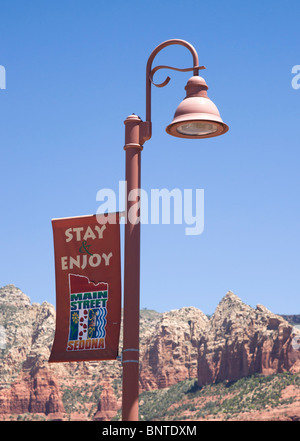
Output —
(236, 341)
(240, 341)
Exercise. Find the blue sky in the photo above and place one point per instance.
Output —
(76, 69)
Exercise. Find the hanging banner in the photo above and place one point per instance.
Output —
(88, 288)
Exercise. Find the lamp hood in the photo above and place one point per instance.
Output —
(196, 116)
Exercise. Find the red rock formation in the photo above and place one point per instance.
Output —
(36, 394)
(237, 341)
(108, 404)
(171, 351)
(240, 341)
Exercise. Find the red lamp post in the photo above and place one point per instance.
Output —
(196, 117)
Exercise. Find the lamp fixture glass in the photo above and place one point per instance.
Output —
(196, 128)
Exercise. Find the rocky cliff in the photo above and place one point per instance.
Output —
(240, 341)
(171, 351)
(26, 384)
(236, 341)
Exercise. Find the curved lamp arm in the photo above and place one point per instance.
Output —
(145, 126)
(164, 83)
(150, 72)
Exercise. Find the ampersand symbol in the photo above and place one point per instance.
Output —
(85, 246)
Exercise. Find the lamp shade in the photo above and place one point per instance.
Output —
(196, 116)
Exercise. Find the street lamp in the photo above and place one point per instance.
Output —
(196, 117)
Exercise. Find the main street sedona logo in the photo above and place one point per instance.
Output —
(88, 310)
